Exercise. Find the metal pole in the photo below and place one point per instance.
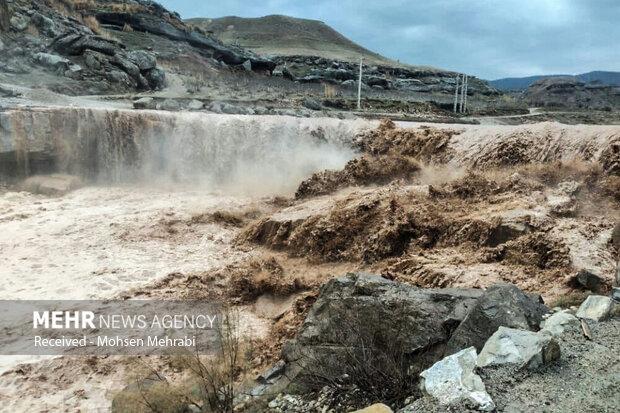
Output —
(456, 92)
(463, 92)
(466, 90)
(359, 87)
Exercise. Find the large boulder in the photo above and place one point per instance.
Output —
(525, 348)
(144, 60)
(156, 78)
(361, 310)
(145, 103)
(453, 381)
(500, 305)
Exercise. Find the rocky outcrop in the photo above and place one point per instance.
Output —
(309, 69)
(501, 305)
(105, 56)
(570, 92)
(212, 48)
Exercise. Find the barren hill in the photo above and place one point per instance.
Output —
(287, 36)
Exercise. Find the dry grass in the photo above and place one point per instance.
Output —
(92, 23)
(127, 28)
(207, 383)
(329, 91)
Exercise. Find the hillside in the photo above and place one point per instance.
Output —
(287, 36)
(522, 83)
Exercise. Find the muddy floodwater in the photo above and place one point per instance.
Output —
(98, 241)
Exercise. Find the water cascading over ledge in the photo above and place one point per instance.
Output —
(116, 146)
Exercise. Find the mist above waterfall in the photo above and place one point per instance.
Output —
(236, 154)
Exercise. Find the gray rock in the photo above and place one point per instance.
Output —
(195, 104)
(312, 104)
(223, 107)
(525, 348)
(77, 44)
(156, 78)
(2, 47)
(349, 83)
(615, 294)
(261, 110)
(358, 306)
(144, 60)
(94, 60)
(247, 65)
(500, 305)
(589, 280)
(52, 60)
(118, 76)
(452, 381)
(559, 322)
(19, 22)
(169, 104)
(273, 372)
(47, 26)
(145, 103)
(126, 65)
(595, 307)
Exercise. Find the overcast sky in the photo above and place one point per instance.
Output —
(486, 38)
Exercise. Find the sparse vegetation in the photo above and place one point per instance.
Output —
(210, 382)
(373, 364)
(194, 84)
(92, 23)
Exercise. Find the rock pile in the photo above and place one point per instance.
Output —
(503, 322)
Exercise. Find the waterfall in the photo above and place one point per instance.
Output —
(221, 151)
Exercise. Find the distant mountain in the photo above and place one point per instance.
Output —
(286, 36)
(522, 83)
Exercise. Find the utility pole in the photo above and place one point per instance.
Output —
(465, 97)
(359, 87)
(456, 92)
(463, 92)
